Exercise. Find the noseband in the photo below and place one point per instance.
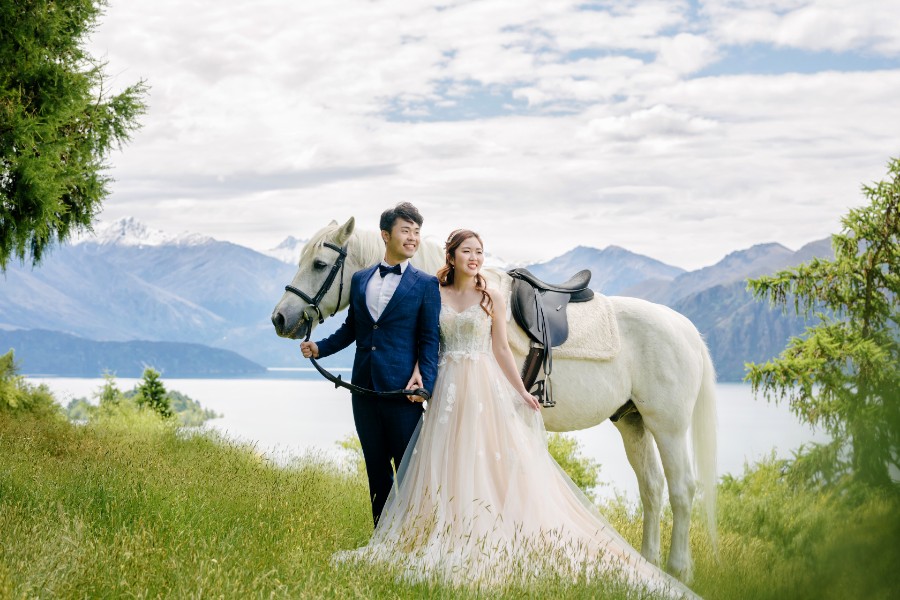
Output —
(326, 285)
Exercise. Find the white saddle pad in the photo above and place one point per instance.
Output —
(593, 329)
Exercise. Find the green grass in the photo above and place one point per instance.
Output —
(130, 506)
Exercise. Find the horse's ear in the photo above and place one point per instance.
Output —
(345, 231)
(333, 222)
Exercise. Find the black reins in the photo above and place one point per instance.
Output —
(338, 266)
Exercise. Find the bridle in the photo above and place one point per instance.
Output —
(338, 267)
(326, 285)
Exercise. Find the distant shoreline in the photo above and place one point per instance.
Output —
(299, 373)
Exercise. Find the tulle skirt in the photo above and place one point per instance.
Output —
(481, 502)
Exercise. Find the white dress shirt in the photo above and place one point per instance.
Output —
(380, 289)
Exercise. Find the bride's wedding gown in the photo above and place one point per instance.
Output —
(480, 499)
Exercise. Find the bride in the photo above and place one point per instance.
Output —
(480, 499)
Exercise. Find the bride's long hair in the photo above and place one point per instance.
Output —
(446, 273)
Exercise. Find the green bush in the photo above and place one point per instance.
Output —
(582, 470)
(188, 411)
(783, 539)
(17, 396)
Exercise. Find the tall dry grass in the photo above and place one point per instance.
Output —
(132, 506)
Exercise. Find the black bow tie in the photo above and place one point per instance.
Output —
(385, 270)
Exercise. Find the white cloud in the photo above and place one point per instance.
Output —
(814, 25)
(271, 121)
(658, 121)
(686, 53)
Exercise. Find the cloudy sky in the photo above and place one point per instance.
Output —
(677, 129)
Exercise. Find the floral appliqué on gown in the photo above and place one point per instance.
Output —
(480, 499)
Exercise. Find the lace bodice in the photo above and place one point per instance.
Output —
(464, 334)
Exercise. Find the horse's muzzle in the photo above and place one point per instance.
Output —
(290, 330)
(278, 322)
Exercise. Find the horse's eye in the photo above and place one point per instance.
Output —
(319, 264)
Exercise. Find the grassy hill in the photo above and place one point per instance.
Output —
(130, 505)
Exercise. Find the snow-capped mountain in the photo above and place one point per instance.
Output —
(287, 251)
(130, 232)
(128, 281)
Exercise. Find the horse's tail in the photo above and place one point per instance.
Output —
(703, 433)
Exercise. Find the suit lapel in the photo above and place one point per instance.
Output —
(362, 307)
(407, 282)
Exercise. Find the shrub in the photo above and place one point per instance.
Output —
(16, 395)
(584, 471)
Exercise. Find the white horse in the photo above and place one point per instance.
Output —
(663, 366)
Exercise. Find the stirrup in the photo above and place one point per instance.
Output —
(539, 390)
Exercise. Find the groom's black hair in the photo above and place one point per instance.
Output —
(405, 211)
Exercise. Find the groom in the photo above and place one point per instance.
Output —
(393, 318)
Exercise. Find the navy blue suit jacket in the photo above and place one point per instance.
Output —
(406, 332)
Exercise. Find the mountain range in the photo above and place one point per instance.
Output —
(613, 269)
(130, 283)
(737, 328)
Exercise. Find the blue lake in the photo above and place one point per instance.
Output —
(292, 413)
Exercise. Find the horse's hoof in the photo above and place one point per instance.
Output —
(684, 573)
(651, 557)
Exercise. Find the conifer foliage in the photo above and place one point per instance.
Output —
(843, 374)
(152, 393)
(58, 124)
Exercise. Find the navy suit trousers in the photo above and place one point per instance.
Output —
(385, 426)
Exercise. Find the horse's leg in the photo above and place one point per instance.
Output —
(642, 456)
(673, 450)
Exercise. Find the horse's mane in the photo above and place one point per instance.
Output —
(430, 256)
(368, 246)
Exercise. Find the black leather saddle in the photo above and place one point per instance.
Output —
(539, 308)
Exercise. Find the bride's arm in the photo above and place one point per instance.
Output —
(502, 352)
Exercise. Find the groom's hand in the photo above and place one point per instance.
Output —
(309, 350)
(414, 383)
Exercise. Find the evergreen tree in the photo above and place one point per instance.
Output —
(58, 123)
(152, 393)
(844, 373)
(109, 395)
